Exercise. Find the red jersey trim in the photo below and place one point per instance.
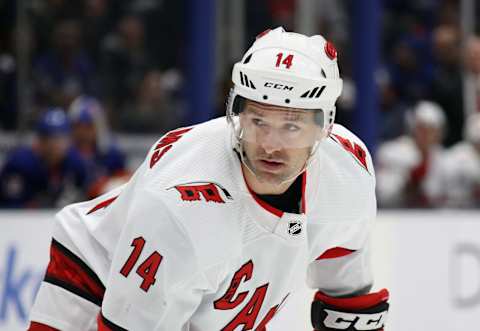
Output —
(273, 210)
(265, 205)
(103, 204)
(35, 326)
(304, 196)
(69, 272)
(355, 303)
(335, 252)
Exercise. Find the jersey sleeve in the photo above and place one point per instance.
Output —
(71, 293)
(341, 272)
(340, 260)
(155, 282)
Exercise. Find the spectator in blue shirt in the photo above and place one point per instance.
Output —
(92, 139)
(47, 173)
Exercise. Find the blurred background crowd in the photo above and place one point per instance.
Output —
(87, 85)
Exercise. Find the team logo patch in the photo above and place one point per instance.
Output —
(166, 143)
(294, 228)
(203, 191)
(358, 153)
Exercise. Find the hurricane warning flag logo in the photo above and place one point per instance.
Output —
(201, 191)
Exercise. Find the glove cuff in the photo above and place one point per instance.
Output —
(354, 303)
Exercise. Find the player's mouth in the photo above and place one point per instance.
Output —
(271, 165)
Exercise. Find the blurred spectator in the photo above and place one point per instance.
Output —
(463, 167)
(472, 66)
(91, 138)
(153, 109)
(65, 70)
(472, 56)
(165, 27)
(125, 61)
(97, 22)
(408, 16)
(392, 109)
(447, 85)
(409, 168)
(332, 21)
(46, 14)
(408, 68)
(47, 173)
(8, 88)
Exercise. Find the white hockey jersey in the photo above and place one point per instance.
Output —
(462, 168)
(398, 162)
(185, 245)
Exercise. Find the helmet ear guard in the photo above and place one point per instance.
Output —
(238, 104)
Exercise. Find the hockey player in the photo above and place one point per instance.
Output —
(225, 219)
(410, 168)
(463, 167)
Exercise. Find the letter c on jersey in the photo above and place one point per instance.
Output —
(247, 316)
(243, 274)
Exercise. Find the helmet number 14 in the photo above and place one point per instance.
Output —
(287, 61)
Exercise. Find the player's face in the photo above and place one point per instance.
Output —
(427, 136)
(84, 134)
(54, 148)
(277, 141)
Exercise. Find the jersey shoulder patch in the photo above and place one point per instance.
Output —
(352, 145)
(165, 144)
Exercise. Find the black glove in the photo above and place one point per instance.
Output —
(364, 312)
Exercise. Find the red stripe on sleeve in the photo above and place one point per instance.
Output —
(335, 252)
(35, 326)
(355, 303)
(101, 325)
(67, 270)
(103, 204)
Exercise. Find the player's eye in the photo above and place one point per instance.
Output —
(258, 122)
(291, 127)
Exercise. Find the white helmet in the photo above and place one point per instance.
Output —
(287, 70)
(428, 113)
(290, 70)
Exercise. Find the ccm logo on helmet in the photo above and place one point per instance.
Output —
(278, 86)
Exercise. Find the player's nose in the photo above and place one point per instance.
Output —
(271, 141)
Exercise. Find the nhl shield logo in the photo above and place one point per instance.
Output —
(294, 228)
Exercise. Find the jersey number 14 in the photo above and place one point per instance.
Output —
(147, 269)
